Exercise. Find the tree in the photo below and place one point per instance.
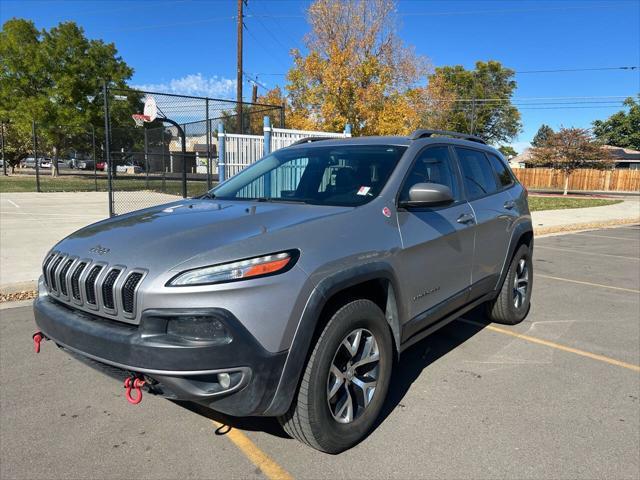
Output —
(622, 129)
(568, 150)
(54, 77)
(474, 101)
(542, 136)
(508, 151)
(356, 71)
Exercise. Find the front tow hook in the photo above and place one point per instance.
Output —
(38, 337)
(134, 383)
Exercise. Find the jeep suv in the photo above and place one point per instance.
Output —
(290, 289)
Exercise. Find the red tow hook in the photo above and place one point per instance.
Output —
(38, 337)
(135, 384)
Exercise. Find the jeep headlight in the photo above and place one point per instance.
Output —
(255, 267)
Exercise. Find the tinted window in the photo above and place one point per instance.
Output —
(502, 171)
(477, 173)
(348, 175)
(432, 165)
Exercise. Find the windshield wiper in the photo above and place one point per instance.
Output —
(278, 199)
(207, 195)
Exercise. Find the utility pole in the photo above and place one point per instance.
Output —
(239, 69)
(254, 93)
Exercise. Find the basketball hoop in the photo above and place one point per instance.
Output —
(150, 112)
(140, 119)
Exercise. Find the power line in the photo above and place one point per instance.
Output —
(594, 69)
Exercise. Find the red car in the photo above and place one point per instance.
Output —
(101, 166)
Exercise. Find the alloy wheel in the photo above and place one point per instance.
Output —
(520, 283)
(353, 376)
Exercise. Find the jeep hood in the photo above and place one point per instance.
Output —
(166, 236)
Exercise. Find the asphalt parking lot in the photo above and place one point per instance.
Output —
(557, 396)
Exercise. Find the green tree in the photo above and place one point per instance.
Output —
(474, 101)
(570, 149)
(507, 150)
(622, 129)
(54, 77)
(542, 136)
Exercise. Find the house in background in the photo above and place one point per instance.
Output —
(625, 158)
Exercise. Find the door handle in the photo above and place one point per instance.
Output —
(466, 218)
(509, 204)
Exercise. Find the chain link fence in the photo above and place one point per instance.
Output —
(175, 155)
(172, 157)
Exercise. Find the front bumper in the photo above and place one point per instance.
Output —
(176, 368)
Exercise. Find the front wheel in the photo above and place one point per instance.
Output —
(512, 304)
(345, 381)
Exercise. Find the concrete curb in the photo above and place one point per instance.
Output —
(17, 304)
(584, 226)
(10, 288)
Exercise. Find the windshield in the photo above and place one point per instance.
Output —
(344, 175)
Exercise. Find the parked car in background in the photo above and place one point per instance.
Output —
(129, 168)
(85, 164)
(102, 166)
(30, 162)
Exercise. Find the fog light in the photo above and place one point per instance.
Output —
(199, 328)
(224, 380)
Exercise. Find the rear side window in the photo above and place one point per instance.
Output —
(477, 173)
(502, 171)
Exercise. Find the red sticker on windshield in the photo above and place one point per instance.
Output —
(386, 212)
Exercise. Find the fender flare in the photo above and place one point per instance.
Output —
(522, 228)
(301, 344)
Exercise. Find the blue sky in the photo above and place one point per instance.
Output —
(189, 46)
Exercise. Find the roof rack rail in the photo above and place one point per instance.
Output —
(424, 133)
(309, 140)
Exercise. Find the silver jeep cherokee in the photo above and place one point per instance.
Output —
(290, 289)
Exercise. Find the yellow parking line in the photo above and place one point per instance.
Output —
(587, 283)
(586, 253)
(564, 348)
(269, 468)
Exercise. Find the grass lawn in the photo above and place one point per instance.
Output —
(559, 203)
(27, 183)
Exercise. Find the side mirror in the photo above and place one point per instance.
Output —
(428, 195)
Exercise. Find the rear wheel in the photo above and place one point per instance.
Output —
(345, 381)
(512, 304)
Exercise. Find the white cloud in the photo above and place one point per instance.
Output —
(194, 84)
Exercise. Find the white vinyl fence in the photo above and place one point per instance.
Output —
(240, 151)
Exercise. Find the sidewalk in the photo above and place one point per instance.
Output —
(550, 221)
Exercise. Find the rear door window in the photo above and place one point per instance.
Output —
(477, 173)
(505, 178)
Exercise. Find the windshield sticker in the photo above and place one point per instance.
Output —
(364, 190)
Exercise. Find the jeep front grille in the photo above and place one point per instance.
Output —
(75, 280)
(128, 291)
(63, 276)
(93, 285)
(107, 288)
(52, 274)
(90, 284)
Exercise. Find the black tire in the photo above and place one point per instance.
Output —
(310, 419)
(507, 308)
